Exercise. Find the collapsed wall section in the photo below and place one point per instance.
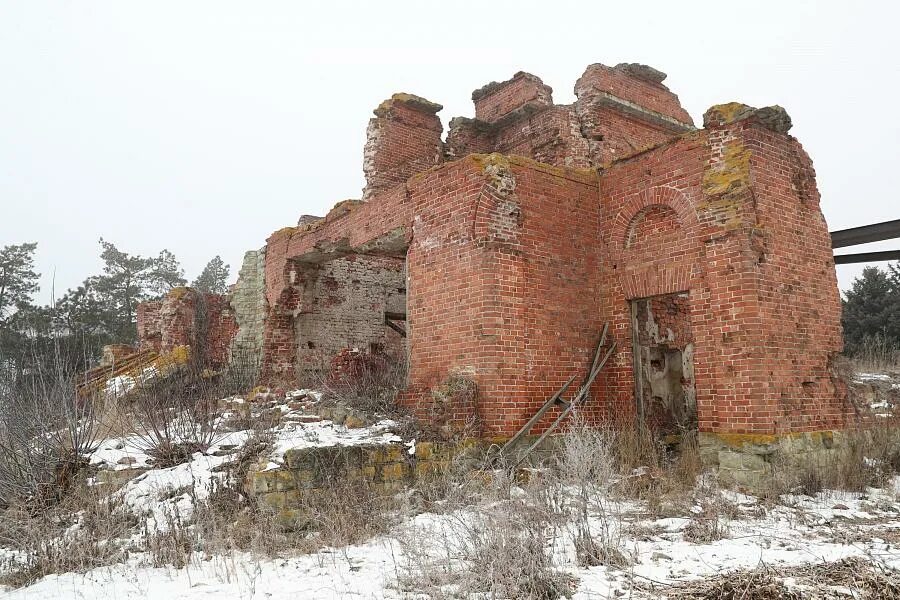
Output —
(403, 138)
(619, 111)
(346, 307)
(248, 300)
(185, 317)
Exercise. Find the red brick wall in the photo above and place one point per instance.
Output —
(648, 94)
(147, 314)
(496, 100)
(403, 138)
(717, 239)
(800, 307)
(364, 225)
(617, 135)
(179, 320)
(503, 283)
(552, 136)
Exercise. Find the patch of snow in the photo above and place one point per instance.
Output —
(326, 433)
(872, 377)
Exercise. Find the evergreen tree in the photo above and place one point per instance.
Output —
(18, 280)
(128, 280)
(872, 307)
(214, 277)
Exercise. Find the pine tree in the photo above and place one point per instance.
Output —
(214, 278)
(18, 280)
(128, 280)
(872, 307)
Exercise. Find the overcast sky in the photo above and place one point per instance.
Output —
(201, 127)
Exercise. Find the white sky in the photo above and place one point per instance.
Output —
(202, 127)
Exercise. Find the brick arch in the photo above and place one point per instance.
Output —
(632, 209)
(661, 217)
(640, 280)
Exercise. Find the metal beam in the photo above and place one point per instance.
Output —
(867, 233)
(863, 257)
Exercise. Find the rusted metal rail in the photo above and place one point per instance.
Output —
(866, 234)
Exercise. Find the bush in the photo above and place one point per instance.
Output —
(47, 434)
(176, 414)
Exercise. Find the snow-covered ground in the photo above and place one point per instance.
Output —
(796, 530)
(810, 530)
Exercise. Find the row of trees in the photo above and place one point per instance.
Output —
(99, 311)
(871, 312)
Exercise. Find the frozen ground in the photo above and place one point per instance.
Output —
(796, 530)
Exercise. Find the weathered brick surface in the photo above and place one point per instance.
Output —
(499, 99)
(626, 86)
(187, 318)
(753, 254)
(535, 224)
(402, 139)
(248, 300)
(346, 309)
(503, 283)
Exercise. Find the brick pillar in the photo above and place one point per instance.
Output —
(402, 139)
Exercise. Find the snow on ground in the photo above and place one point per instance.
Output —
(326, 433)
(801, 530)
(872, 377)
(797, 530)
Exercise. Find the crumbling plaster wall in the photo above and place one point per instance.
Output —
(248, 300)
(346, 309)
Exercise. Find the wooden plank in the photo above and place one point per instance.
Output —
(395, 327)
(569, 408)
(537, 417)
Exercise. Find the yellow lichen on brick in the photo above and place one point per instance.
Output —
(729, 112)
(724, 184)
(393, 472)
(737, 440)
(731, 173)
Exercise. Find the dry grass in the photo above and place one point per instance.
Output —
(85, 530)
(867, 458)
(877, 354)
(859, 578)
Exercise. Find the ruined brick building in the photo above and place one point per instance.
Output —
(497, 253)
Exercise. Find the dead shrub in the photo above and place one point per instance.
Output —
(176, 414)
(499, 552)
(584, 473)
(367, 382)
(47, 434)
(854, 577)
(710, 514)
(865, 458)
(85, 530)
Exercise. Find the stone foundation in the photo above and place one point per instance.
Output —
(749, 460)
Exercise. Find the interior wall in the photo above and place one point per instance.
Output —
(345, 308)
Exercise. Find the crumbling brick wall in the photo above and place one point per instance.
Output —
(248, 300)
(184, 317)
(403, 138)
(515, 260)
